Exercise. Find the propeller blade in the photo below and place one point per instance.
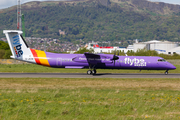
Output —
(114, 52)
(115, 57)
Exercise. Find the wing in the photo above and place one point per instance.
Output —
(93, 59)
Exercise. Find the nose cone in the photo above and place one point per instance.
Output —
(171, 67)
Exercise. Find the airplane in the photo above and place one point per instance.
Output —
(21, 51)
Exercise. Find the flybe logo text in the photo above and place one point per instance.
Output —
(17, 48)
(135, 62)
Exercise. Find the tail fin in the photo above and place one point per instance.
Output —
(18, 46)
(20, 50)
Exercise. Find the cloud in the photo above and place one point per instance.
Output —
(167, 1)
(9, 3)
(172, 1)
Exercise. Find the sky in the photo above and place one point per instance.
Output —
(167, 1)
(9, 3)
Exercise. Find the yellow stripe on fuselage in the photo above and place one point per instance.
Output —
(42, 57)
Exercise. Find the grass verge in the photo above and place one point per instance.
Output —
(83, 98)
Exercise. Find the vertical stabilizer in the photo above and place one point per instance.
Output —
(18, 46)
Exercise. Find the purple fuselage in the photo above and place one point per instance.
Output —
(104, 61)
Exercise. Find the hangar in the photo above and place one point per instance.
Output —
(164, 47)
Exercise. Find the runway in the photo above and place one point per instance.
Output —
(84, 75)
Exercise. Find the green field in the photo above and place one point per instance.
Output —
(93, 99)
(83, 98)
(33, 68)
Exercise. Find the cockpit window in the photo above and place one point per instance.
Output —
(161, 60)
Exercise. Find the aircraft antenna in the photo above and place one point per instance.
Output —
(19, 15)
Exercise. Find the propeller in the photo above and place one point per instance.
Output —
(115, 57)
(114, 53)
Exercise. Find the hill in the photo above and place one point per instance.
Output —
(98, 20)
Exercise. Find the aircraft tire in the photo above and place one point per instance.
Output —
(89, 72)
(94, 72)
(166, 73)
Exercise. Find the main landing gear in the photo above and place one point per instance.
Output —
(166, 72)
(91, 72)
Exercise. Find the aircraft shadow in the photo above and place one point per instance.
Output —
(134, 74)
(100, 74)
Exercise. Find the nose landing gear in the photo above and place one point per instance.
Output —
(166, 72)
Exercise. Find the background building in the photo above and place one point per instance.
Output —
(164, 47)
(107, 49)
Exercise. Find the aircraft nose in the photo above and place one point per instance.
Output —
(172, 67)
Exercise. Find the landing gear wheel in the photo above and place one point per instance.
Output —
(166, 73)
(89, 72)
(94, 72)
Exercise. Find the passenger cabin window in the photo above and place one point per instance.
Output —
(161, 60)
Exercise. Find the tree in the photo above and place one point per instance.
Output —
(7, 54)
(4, 45)
(83, 50)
